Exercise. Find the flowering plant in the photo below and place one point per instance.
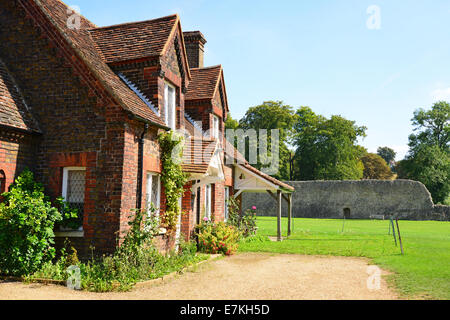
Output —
(245, 222)
(217, 238)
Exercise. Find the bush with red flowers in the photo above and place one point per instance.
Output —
(217, 238)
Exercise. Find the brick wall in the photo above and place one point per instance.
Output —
(78, 128)
(17, 152)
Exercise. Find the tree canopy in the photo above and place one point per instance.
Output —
(428, 160)
(432, 127)
(375, 167)
(387, 154)
(326, 149)
(271, 115)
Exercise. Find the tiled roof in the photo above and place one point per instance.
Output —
(135, 40)
(13, 109)
(81, 41)
(231, 151)
(197, 154)
(203, 83)
(192, 127)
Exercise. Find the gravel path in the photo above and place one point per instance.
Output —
(243, 276)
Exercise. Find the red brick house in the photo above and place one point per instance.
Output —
(82, 107)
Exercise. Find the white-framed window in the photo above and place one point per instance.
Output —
(153, 192)
(215, 129)
(170, 105)
(226, 197)
(73, 188)
(208, 201)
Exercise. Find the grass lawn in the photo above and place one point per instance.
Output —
(423, 271)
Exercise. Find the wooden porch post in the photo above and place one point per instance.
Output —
(289, 213)
(279, 215)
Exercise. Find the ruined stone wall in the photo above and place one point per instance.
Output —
(405, 199)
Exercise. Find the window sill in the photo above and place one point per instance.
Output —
(70, 234)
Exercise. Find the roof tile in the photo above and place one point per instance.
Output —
(203, 83)
(135, 40)
(82, 42)
(13, 109)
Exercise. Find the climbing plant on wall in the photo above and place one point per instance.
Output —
(173, 178)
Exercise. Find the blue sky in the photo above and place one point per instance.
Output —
(317, 53)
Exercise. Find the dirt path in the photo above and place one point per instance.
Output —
(243, 276)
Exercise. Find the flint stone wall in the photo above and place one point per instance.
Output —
(405, 199)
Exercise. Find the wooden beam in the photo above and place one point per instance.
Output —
(285, 198)
(238, 193)
(279, 215)
(289, 214)
(272, 195)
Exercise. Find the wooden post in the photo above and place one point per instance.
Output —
(393, 231)
(289, 214)
(279, 216)
(399, 237)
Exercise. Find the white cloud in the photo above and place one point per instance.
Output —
(441, 94)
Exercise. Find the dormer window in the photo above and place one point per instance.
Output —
(215, 128)
(169, 106)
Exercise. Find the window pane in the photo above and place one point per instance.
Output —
(166, 104)
(75, 186)
(148, 190)
(155, 193)
(169, 106)
(75, 189)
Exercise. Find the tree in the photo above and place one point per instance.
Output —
(428, 159)
(375, 167)
(431, 166)
(432, 127)
(271, 115)
(326, 148)
(230, 123)
(387, 154)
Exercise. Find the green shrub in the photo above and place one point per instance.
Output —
(70, 215)
(217, 238)
(135, 260)
(27, 219)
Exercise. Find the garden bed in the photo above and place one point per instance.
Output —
(142, 283)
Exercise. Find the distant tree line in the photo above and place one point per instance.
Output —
(314, 147)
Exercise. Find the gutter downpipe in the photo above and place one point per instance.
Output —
(140, 168)
(147, 123)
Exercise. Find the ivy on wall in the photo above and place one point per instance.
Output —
(173, 178)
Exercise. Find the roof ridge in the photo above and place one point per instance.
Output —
(210, 67)
(108, 84)
(79, 13)
(134, 22)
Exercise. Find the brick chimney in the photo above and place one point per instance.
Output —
(195, 43)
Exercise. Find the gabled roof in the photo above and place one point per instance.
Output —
(14, 111)
(136, 40)
(204, 83)
(197, 154)
(192, 127)
(267, 177)
(81, 42)
(232, 152)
